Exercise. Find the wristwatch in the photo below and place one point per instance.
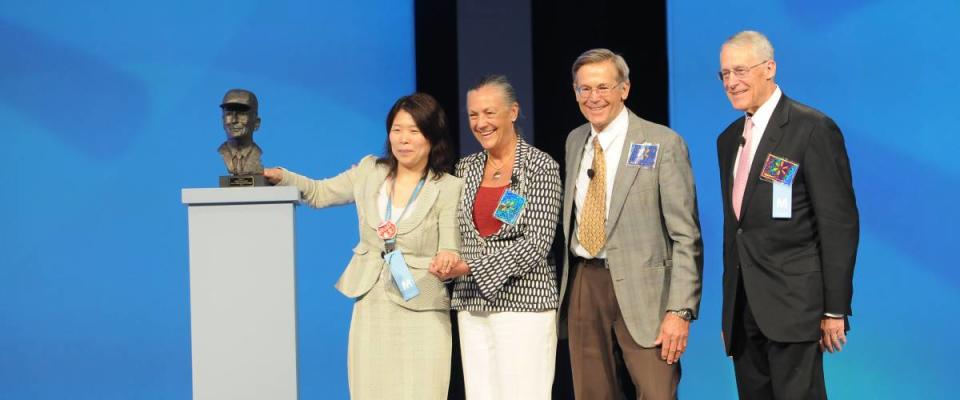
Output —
(685, 314)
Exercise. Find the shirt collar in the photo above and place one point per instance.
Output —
(763, 114)
(616, 128)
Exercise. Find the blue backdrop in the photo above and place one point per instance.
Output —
(886, 72)
(107, 110)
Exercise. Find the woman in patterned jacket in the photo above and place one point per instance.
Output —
(505, 292)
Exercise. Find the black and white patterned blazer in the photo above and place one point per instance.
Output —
(509, 269)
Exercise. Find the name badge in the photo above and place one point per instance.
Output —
(643, 155)
(779, 169)
(780, 172)
(510, 207)
(401, 275)
(782, 200)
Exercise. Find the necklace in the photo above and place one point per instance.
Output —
(496, 168)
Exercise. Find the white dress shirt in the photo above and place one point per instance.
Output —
(611, 141)
(760, 120)
(397, 210)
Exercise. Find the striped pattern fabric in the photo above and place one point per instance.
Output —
(509, 269)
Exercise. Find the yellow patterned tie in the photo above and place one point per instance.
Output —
(593, 219)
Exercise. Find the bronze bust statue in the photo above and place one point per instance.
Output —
(240, 154)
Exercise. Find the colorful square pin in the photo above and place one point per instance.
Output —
(644, 155)
(509, 208)
(779, 169)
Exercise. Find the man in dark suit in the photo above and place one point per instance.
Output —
(790, 230)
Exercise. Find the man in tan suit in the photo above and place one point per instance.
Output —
(631, 226)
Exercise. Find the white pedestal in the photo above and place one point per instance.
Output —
(242, 292)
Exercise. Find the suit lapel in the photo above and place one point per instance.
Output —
(519, 181)
(472, 176)
(518, 174)
(574, 157)
(625, 175)
(372, 195)
(728, 153)
(425, 199)
(771, 138)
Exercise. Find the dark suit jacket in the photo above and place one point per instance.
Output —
(793, 270)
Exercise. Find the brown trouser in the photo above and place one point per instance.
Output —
(596, 329)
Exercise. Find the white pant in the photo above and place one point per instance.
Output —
(508, 355)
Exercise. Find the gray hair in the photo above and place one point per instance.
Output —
(754, 40)
(593, 56)
(500, 81)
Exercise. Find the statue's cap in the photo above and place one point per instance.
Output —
(239, 97)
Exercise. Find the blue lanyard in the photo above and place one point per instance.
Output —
(389, 211)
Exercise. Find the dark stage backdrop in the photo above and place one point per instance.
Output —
(534, 43)
(884, 72)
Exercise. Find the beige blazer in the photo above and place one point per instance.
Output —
(654, 250)
(430, 227)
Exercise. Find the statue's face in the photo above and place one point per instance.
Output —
(239, 121)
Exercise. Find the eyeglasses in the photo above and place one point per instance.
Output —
(601, 90)
(738, 72)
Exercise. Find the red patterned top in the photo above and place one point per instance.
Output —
(483, 208)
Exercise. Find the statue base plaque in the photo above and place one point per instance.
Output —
(243, 181)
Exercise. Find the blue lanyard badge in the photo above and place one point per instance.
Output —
(401, 275)
(782, 200)
(510, 207)
(387, 230)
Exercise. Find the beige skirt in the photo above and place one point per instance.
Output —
(396, 353)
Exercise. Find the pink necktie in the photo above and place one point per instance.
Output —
(743, 167)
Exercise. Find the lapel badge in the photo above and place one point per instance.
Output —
(779, 169)
(510, 206)
(643, 155)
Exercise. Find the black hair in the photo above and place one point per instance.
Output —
(432, 122)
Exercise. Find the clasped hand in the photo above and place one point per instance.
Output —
(448, 265)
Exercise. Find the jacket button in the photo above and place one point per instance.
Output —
(739, 231)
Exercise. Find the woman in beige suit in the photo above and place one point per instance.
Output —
(406, 202)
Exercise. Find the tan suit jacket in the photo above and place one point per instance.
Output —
(654, 250)
(430, 227)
